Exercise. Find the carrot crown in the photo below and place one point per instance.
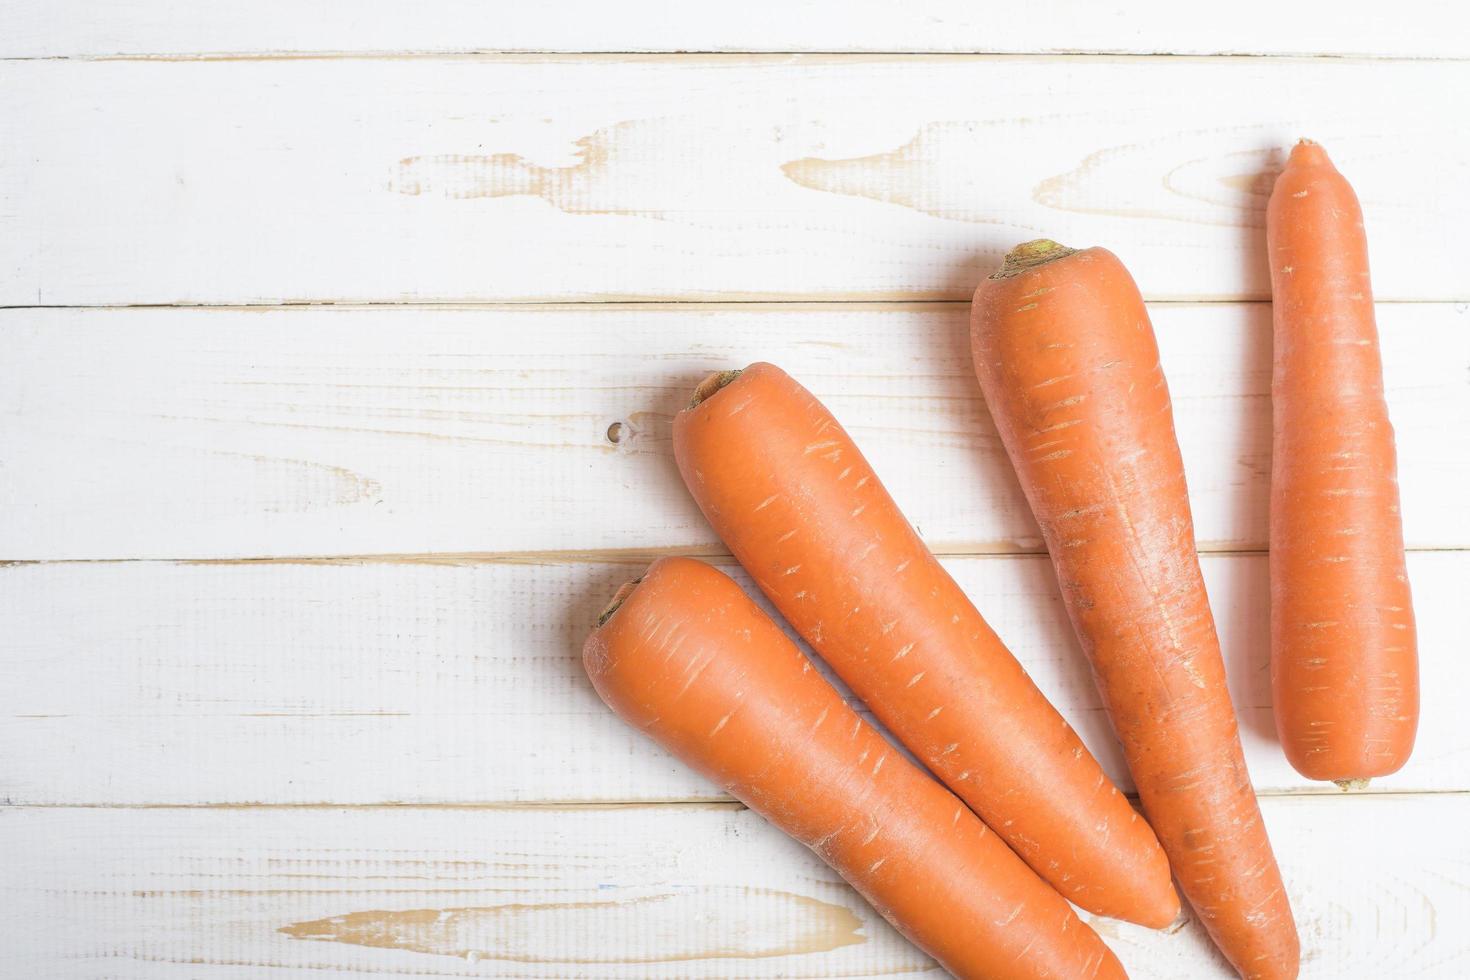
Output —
(712, 384)
(1028, 255)
(620, 597)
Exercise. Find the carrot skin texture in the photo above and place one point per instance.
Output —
(1069, 366)
(690, 660)
(799, 506)
(1344, 659)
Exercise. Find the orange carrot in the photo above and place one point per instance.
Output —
(1343, 659)
(685, 656)
(1070, 369)
(787, 490)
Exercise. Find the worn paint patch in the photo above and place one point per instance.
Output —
(715, 923)
(598, 183)
(1256, 184)
(313, 485)
(1142, 181)
(938, 172)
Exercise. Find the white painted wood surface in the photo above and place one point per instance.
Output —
(195, 756)
(59, 28)
(533, 178)
(456, 682)
(624, 892)
(348, 432)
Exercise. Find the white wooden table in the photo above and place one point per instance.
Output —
(338, 355)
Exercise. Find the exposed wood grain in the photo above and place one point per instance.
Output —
(50, 28)
(641, 892)
(146, 683)
(563, 177)
(188, 433)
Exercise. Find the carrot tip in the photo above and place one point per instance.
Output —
(620, 597)
(710, 385)
(1349, 785)
(1309, 153)
(1029, 255)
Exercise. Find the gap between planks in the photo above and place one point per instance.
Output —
(611, 556)
(774, 302)
(549, 55)
(585, 806)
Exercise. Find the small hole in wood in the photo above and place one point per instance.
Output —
(615, 433)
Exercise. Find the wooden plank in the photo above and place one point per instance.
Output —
(640, 892)
(563, 177)
(148, 683)
(52, 28)
(215, 433)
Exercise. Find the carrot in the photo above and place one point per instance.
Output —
(787, 490)
(1343, 659)
(685, 656)
(1069, 367)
